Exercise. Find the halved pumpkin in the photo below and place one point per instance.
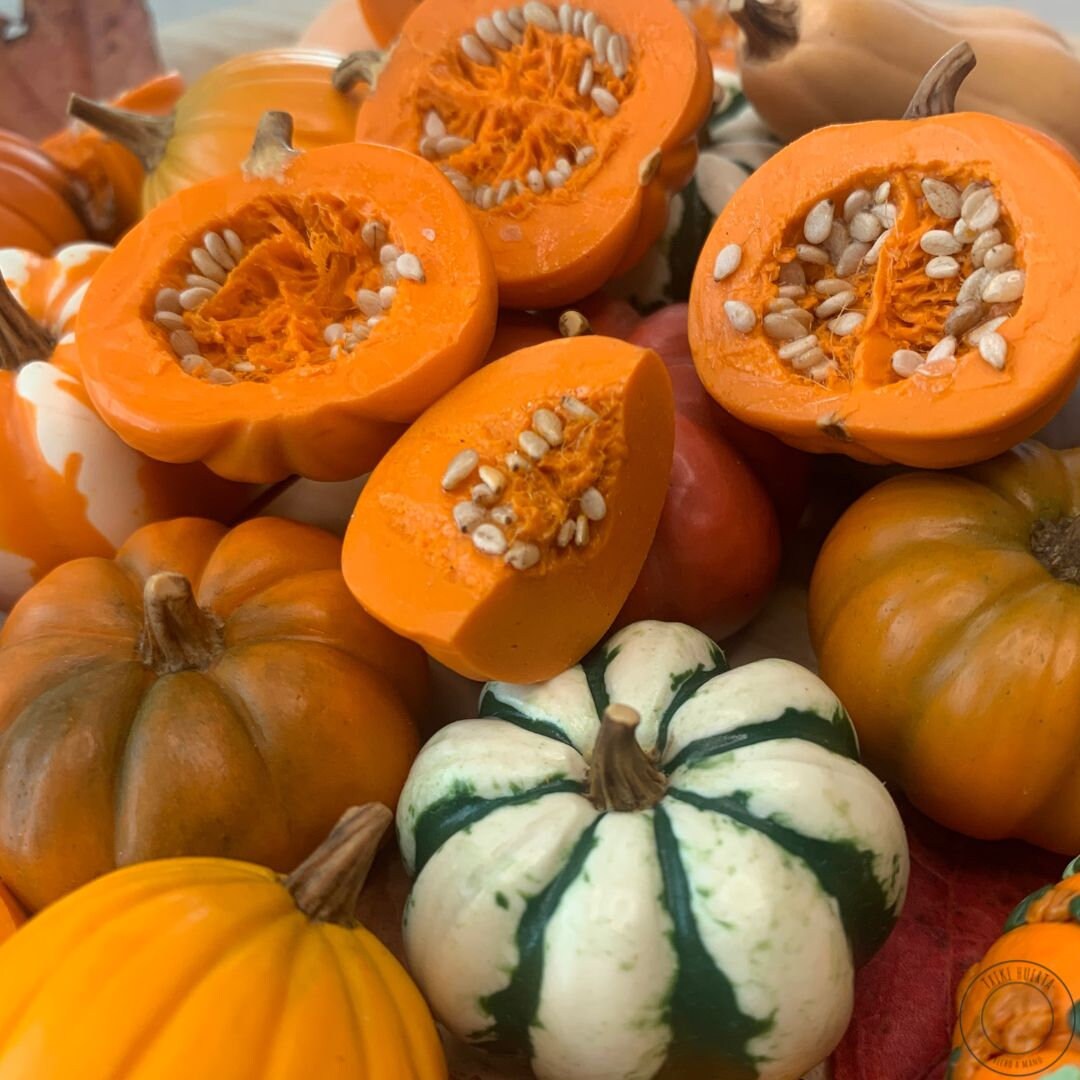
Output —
(288, 319)
(897, 290)
(506, 528)
(564, 129)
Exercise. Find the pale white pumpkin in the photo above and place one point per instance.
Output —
(688, 898)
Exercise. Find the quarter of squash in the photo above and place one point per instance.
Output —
(564, 129)
(506, 528)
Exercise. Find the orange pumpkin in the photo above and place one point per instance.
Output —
(348, 288)
(1016, 1007)
(71, 487)
(892, 290)
(340, 27)
(945, 614)
(206, 693)
(506, 528)
(565, 133)
(209, 132)
(718, 30)
(110, 175)
(211, 968)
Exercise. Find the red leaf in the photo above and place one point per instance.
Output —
(960, 894)
(95, 47)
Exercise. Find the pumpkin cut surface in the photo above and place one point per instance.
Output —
(506, 528)
(564, 129)
(291, 317)
(912, 308)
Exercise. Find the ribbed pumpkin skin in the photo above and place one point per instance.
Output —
(205, 968)
(37, 199)
(302, 715)
(954, 649)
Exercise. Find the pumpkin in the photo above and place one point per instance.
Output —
(944, 612)
(289, 318)
(809, 63)
(209, 132)
(340, 27)
(384, 18)
(564, 133)
(206, 692)
(216, 968)
(1016, 1006)
(505, 529)
(41, 206)
(885, 290)
(110, 175)
(72, 487)
(650, 866)
(712, 20)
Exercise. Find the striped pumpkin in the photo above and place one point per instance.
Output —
(650, 866)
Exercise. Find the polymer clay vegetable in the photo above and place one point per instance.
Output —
(809, 63)
(215, 968)
(291, 317)
(1015, 1008)
(888, 290)
(206, 693)
(945, 612)
(209, 132)
(506, 528)
(564, 129)
(650, 866)
(70, 487)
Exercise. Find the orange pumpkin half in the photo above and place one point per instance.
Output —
(897, 290)
(565, 130)
(506, 528)
(289, 318)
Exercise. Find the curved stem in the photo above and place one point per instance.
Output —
(621, 776)
(1056, 544)
(328, 883)
(769, 29)
(574, 324)
(145, 136)
(358, 68)
(936, 94)
(178, 635)
(272, 148)
(22, 338)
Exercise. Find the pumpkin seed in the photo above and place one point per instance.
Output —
(460, 467)
(409, 266)
(882, 192)
(945, 349)
(791, 292)
(434, 127)
(548, 426)
(506, 189)
(822, 372)
(999, 256)
(963, 317)
(516, 462)
(873, 253)
(578, 408)
(942, 198)
(169, 320)
(368, 302)
(221, 377)
(834, 304)
(886, 214)
(939, 242)
(600, 38)
(190, 299)
(584, 155)
(554, 178)
(503, 515)
(506, 27)
(809, 253)
(847, 323)
(452, 144)
(476, 50)
(494, 479)
(981, 209)
(566, 18)
(865, 227)
(219, 250)
(790, 349)
(522, 555)
(783, 327)
(581, 530)
(648, 168)
(830, 286)
(973, 337)
(852, 258)
(838, 241)
(994, 349)
(983, 243)
(386, 296)
(964, 232)
(605, 101)
(589, 23)
(516, 17)
(905, 362)
(942, 267)
(489, 539)
(244, 367)
(593, 504)
(578, 22)
(489, 34)
(482, 495)
(541, 15)
(168, 300)
(193, 363)
(808, 359)
(585, 79)
(740, 315)
(617, 56)
(1005, 287)
(535, 180)
(373, 234)
(819, 222)
(197, 281)
(727, 261)
(183, 343)
(207, 265)
(533, 445)
(781, 303)
(860, 199)
(389, 253)
(234, 244)
(333, 333)
(467, 515)
(973, 285)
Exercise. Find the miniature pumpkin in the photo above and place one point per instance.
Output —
(288, 319)
(210, 131)
(110, 175)
(205, 693)
(891, 291)
(650, 866)
(72, 487)
(506, 527)
(945, 612)
(215, 968)
(1016, 1006)
(564, 131)
(809, 63)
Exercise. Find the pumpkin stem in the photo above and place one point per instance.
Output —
(272, 148)
(328, 883)
(770, 27)
(358, 67)
(145, 136)
(574, 324)
(178, 635)
(936, 95)
(621, 776)
(1056, 544)
(22, 338)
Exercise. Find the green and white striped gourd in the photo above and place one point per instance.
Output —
(683, 890)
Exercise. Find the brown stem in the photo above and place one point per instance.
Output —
(178, 635)
(936, 94)
(621, 776)
(328, 883)
(574, 324)
(272, 148)
(1056, 544)
(358, 68)
(267, 497)
(145, 136)
(22, 338)
(770, 27)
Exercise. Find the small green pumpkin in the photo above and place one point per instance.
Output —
(650, 866)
